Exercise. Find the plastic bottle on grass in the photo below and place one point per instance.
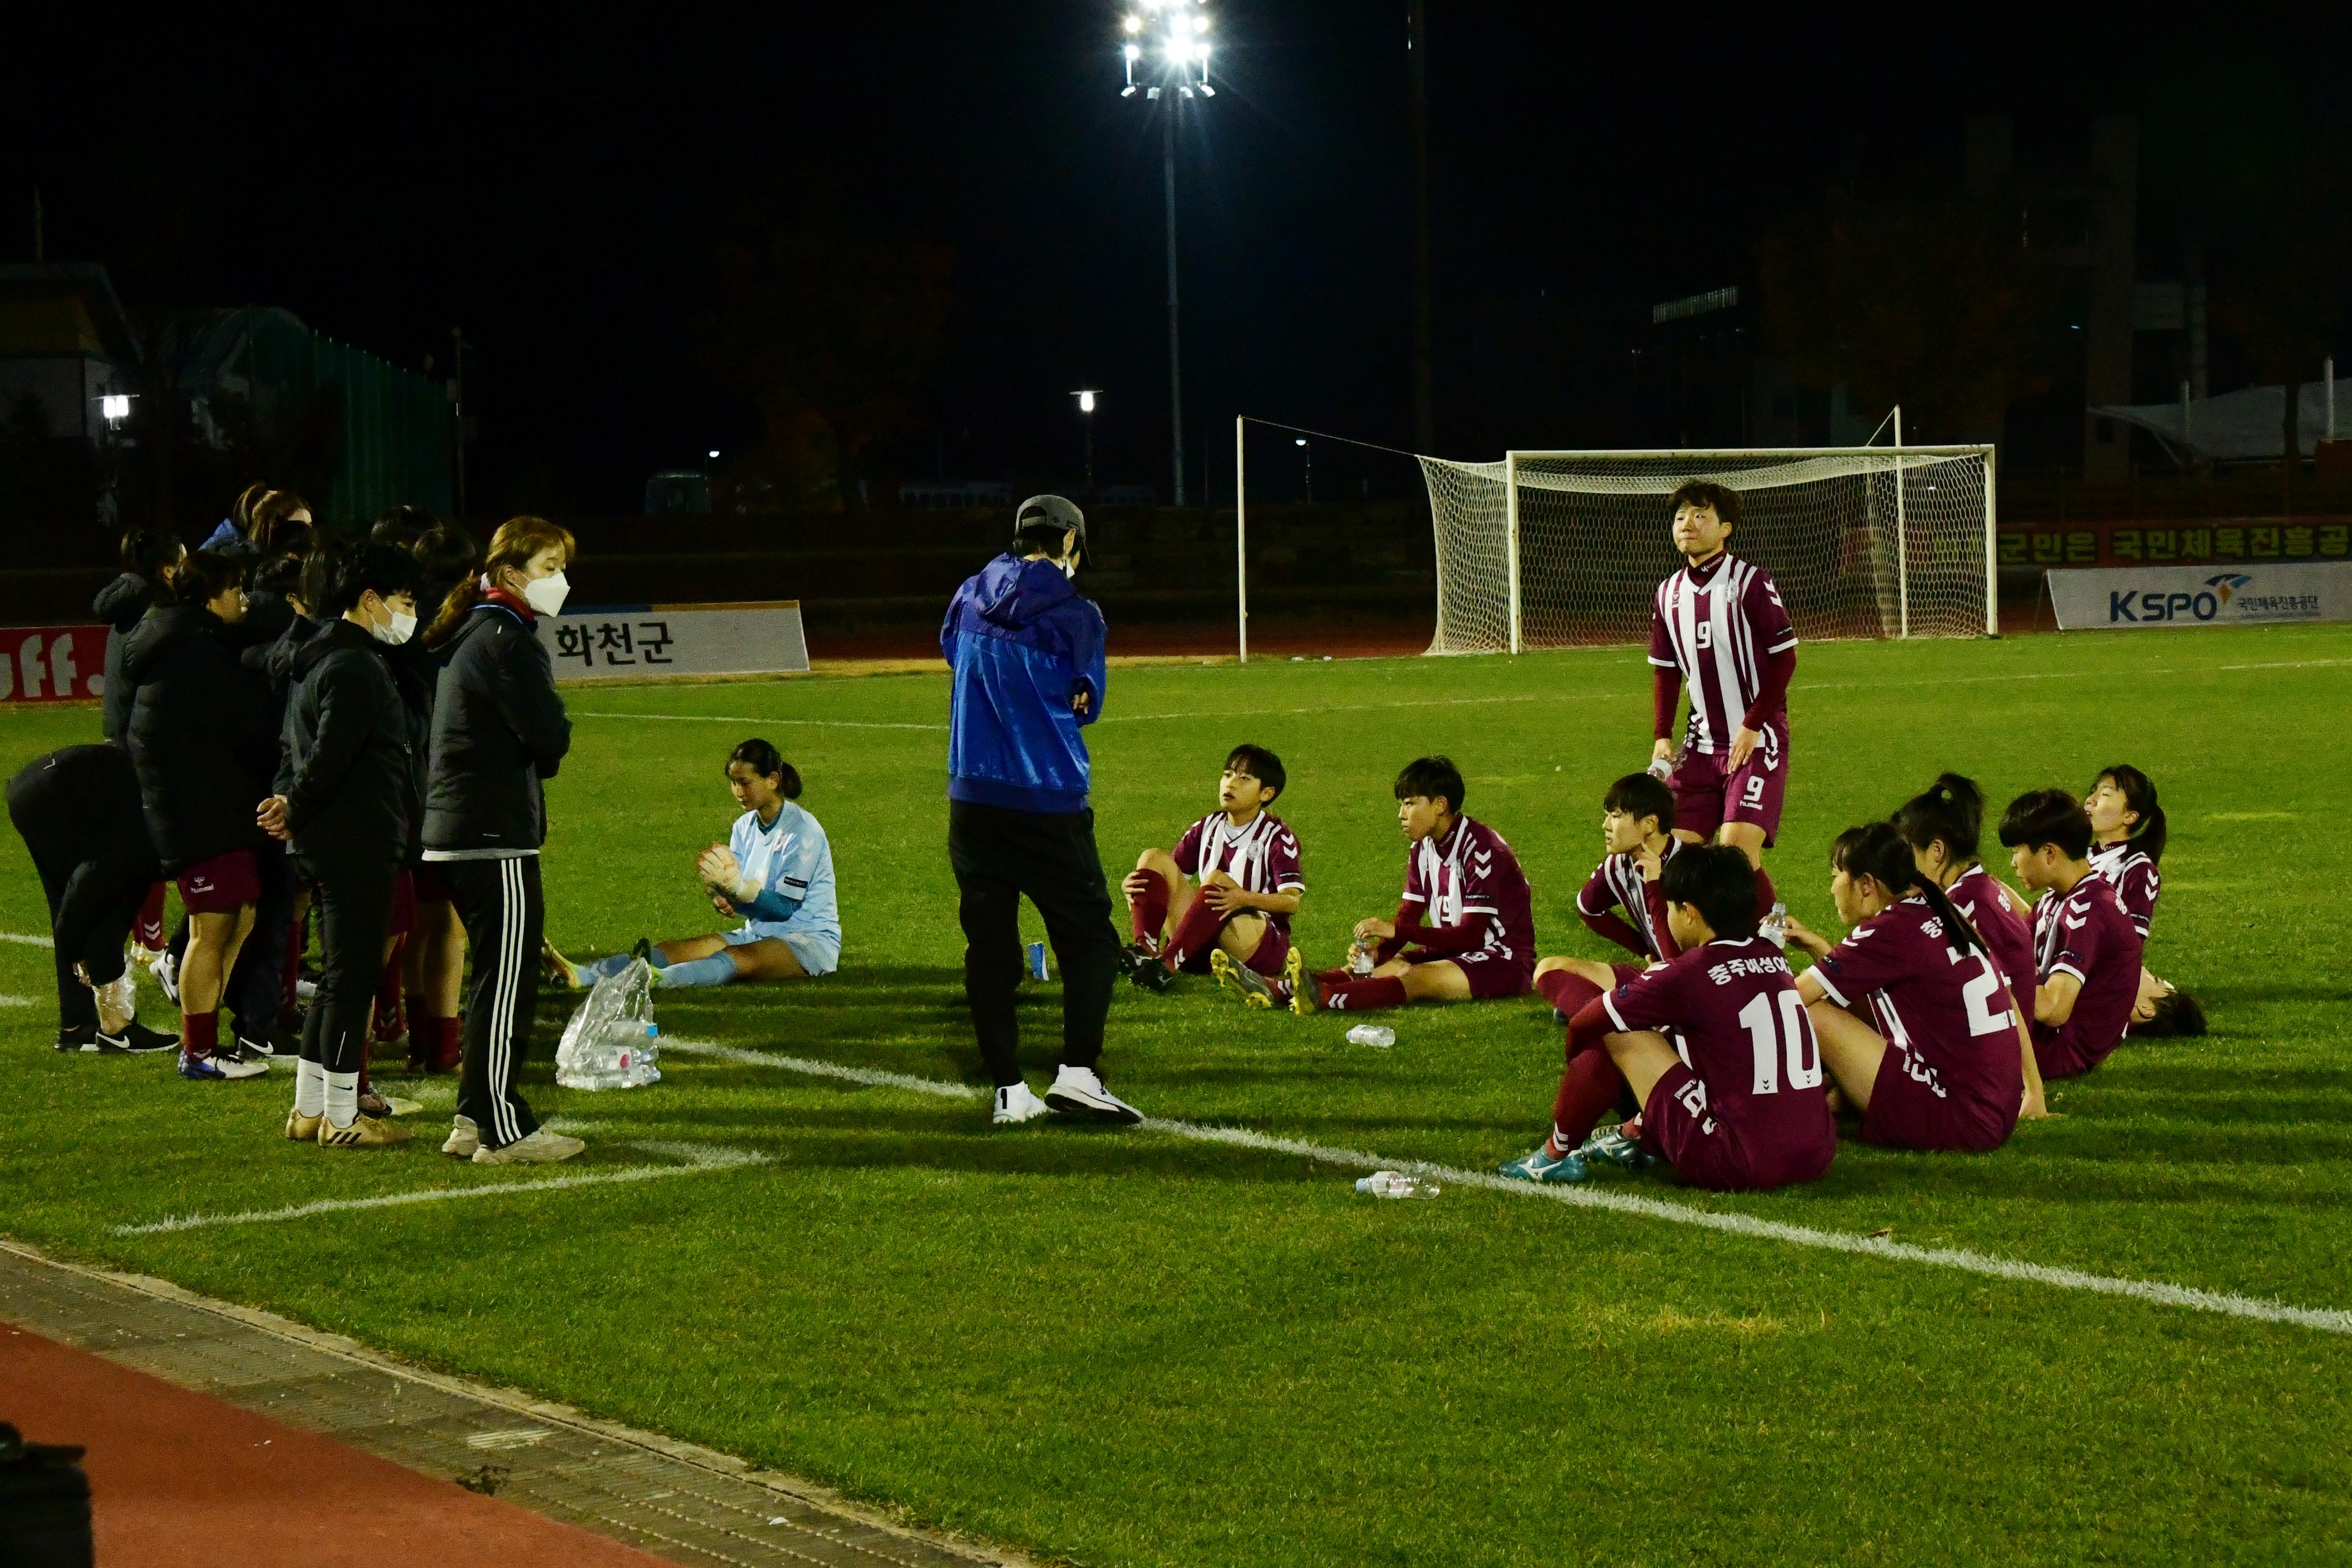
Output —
(613, 1042)
(1380, 1036)
(1395, 1184)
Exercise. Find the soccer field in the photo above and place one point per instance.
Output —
(1156, 1346)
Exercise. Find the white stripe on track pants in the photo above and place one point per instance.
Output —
(504, 914)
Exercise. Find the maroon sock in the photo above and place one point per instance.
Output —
(1148, 916)
(200, 1032)
(448, 1044)
(1363, 996)
(1767, 895)
(1566, 990)
(1193, 934)
(151, 934)
(1586, 1089)
(1326, 978)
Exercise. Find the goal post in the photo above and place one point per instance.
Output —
(1562, 549)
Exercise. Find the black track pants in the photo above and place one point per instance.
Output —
(352, 898)
(504, 914)
(998, 857)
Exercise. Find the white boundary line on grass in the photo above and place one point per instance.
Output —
(27, 940)
(2326, 1320)
(699, 1159)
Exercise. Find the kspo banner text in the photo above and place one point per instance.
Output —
(676, 639)
(52, 664)
(2201, 596)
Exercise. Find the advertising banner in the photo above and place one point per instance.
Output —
(2224, 541)
(643, 640)
(52, 664)
(2101, 598)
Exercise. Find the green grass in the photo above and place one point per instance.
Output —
(1127, 1348)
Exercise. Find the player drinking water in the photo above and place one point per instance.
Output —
(2086, 950)
(1463, 932)
(1948, 1063)
(1220, 901)
(1719, 624)
(2126, 842)
(775, 871)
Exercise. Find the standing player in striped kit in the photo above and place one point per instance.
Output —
(1220, 901)
(1719, 624)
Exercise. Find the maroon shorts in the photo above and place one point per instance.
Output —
(223, 883)
(1627, 973)
(1273, 950)
(1710, 1153)
(1912, 1108)
(1708, 794)
(431, 882)
(1491, 976)
(404, 906)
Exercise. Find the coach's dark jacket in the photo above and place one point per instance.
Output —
(351, 792)
(79, 808)
(119, 605)
(199, 736)
(498, 729)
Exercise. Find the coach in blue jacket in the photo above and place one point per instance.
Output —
(1027, 653)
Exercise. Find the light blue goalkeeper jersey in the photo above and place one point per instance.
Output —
(792, 862)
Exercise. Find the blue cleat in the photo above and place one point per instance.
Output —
(1609, 1146)
(1541, 1167)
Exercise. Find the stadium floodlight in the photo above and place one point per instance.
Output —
(1181, 28)
(114, 407)
(1085, 396)
(712, 454)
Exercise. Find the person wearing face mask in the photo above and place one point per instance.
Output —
(498, 729)
(199, 737)
(345, 799)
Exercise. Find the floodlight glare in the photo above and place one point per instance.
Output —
(1134, 24)
(115, 405)
(713, 452)
(1199, 24)
(1133, 52)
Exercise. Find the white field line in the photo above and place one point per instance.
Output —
(2141, 674)
(698, 1160)
(2326, 1320)
(17, 1002)
(26, 939)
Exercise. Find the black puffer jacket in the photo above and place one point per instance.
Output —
(498, 729)
(199, 735)
(349, 786)
(119, 605)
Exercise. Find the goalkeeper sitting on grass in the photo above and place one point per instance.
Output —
(776, 870)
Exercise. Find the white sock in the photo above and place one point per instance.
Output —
(342, 1099)
(309, 1088)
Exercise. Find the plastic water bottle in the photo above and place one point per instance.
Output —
(1380, 1036)
(1774, 927)
(1359, 960)
(1661, 768)
(1037, 961)
(1394, 1185)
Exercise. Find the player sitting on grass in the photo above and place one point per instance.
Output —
(1234, 921)
(2086, 950)
(776, 870)
(1637, 838)
(1716, 1046)
(1464, 930)
(2126, 842)
(1949, 1064)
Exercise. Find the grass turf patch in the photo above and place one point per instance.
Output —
(1127, 1347)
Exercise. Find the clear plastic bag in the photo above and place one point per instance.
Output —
(612, 1041)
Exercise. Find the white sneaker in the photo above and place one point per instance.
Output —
(1079, 1091)
(166, 975)
(464, 1138)
(540, 1148)
(1017, 1104)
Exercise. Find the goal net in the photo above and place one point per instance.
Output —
(1559, 548)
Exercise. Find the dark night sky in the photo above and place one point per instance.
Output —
(561, 194)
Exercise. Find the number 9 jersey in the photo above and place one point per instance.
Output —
(1746, 1111)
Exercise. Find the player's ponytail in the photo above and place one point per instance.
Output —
(2140, 795)
(1952, 810)
(1882, 854)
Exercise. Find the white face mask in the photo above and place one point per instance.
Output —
(546, 595)
(402, 627)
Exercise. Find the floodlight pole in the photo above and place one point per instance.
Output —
(1175, 340)
(1241, 532)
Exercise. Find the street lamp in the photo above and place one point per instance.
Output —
(1179, 31)
(1085, 397)
(1306, 457)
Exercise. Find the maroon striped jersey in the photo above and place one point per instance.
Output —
(2133, 875)
(1472, 871)
(1261, 856)
(2085, 933)
(1715, 624)
(1618, 881)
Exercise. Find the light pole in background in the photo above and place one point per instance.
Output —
(1086, 411)
(1306, 460)
(1178, 31)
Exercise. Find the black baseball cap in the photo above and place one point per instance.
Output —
(1057, 512)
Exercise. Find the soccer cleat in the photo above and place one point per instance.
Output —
(463, 1139)
(301, 1128)
(243, 1052)
(1609, 1145)
(165, 972)
(88, 1038)
(364, 1132)
(306, 990)
(252, 1049)
(1254, 989)
(540, 1148)
(372, 1104)
(1296, 992)
(1017, 1104)
(1541, 1167)
(217, 1068)
(560, 969)
(1079, 1091)
(645, 950)
(1150, 973)
(138, 1038)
